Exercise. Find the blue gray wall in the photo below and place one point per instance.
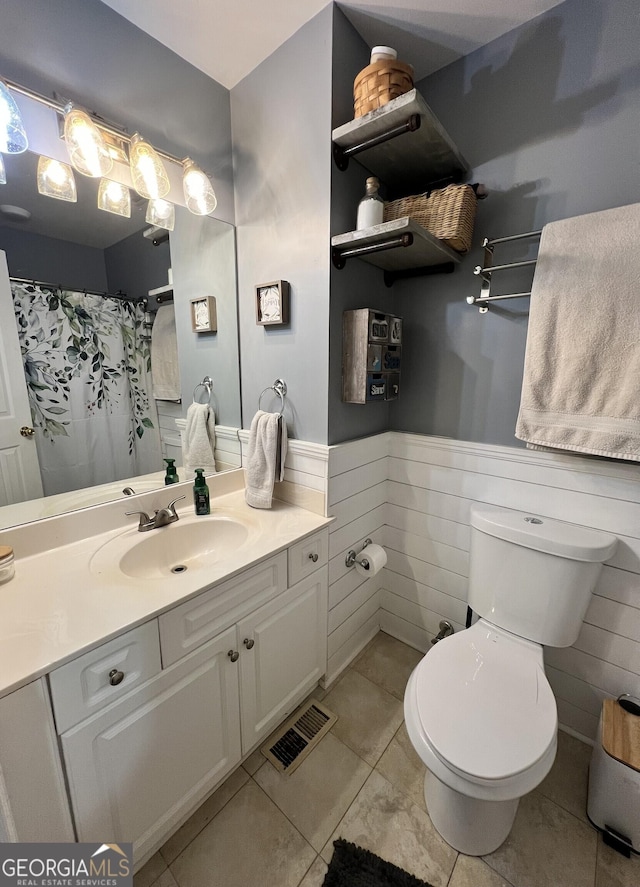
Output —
(548, 116)
(281, 119)
(53, 261)
(134, 265)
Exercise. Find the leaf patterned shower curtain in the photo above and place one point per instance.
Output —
(87, 371)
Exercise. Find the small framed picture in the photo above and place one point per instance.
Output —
(203, 315)
(272, 303)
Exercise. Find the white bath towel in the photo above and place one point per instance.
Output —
(582, 364)
(165, 369)
(199, 441)
(266, 454)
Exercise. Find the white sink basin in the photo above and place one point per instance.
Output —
(189, 544)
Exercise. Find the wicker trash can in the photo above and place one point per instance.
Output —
(613, 804)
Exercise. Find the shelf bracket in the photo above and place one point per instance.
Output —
(390, 277)
(341, 155)
(339, 256)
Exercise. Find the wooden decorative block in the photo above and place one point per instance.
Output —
(272, 303)
(371, 356)
(204, 317)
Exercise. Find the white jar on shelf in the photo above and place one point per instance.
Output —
(371, 207)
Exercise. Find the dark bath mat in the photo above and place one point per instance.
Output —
(351, 866)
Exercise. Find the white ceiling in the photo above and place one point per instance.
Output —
(227, 39)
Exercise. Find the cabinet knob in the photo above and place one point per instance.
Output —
(248, 642)
(115, 677)
(233, 655)
(313, 557)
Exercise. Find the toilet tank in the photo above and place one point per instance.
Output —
(534, 576)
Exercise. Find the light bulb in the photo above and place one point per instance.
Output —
(13, 136)
(87, 149)
(162, 214)
(198, 190)
(114, 198)
(147, 170)
(55, 179)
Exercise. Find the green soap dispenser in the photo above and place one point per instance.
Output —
(201, 493)
(171, 477)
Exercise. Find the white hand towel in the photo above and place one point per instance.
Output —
(199, 440)
(165, 370)
(582, 364)
(266, 454)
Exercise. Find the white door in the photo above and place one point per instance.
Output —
(19, 468)
(283, 654)
(138, 767)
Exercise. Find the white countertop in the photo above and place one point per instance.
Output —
(56, 607)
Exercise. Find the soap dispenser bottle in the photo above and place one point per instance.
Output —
(201, 493)
(371, 207)
(171, 477)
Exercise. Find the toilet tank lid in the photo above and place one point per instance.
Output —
(544, 534)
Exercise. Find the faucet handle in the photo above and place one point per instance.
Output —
(145, 520)
(172, 505)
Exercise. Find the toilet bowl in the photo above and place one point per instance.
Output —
(481, 715)
(478, 708)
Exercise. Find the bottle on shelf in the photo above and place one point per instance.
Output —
(371, 207)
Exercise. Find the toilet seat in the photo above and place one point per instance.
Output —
(484, 704)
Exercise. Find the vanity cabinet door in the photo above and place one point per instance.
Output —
(282, 655)
(136, 768)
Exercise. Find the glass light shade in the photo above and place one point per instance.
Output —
(162, 214)
(13, 136)
(114, 198)
(198, 190)
(55, 179)
(87, 149)
(147, 170)
(3, 172)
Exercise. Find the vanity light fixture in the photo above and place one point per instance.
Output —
(3, 172)
(114, 198)
(55, 179)
(87, 148)
(161, 213)
(198, 190)
(13, 136)
(147, 170)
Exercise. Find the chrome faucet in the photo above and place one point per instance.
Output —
(161, 518)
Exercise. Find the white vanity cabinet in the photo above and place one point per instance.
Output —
(201, 686)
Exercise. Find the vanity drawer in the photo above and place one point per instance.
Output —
(190, 625)
(308, 555)
(90, 682)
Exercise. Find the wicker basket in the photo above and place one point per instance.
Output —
(378, 83)
(448, 214)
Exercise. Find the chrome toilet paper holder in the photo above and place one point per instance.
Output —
(351, 557)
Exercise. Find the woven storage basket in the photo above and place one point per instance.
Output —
(448, 214)
(378, 83)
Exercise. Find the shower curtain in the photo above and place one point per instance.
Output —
(88, 378)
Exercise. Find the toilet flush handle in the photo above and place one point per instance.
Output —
(446, 628)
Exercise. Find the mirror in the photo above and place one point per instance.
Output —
(80, 247)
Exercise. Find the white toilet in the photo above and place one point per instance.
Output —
(478, 708)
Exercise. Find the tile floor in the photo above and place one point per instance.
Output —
(364, 782)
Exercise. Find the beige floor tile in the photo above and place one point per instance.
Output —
(614, 869)
(203, 815)
(469, 871)
(316, 796)
(368, 716)
(566, 784)
(150, 871)
(547, 847)
(166, 879)
(383, 820)
(315, 875)
(250, 842)
(403, 768)
(253, 763)
(388, 663)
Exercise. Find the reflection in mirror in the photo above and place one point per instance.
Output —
(78, 347)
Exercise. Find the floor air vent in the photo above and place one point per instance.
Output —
(298, 736)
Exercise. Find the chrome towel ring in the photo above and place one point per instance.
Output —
(207, 385)
(279, 387)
